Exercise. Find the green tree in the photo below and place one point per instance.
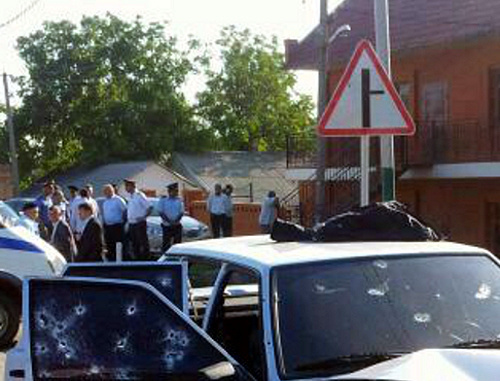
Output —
(250, 102)
(102, 90)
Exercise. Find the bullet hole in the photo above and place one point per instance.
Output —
(166, 282)
(80, 310)
(131, 310)
(121, 344)
(60, 327)
(42, 321)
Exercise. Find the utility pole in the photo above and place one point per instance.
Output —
(12, 138)
(383, 43)
(322, 89)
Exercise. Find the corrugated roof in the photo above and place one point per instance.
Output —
(413, 23)
(264, 170)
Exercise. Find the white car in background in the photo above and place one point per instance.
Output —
(192, 229)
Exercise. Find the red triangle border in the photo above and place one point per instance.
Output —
(409, 129)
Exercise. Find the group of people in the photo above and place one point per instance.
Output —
(220, 208)
(84, 232)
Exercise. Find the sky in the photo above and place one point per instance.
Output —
(200, 18)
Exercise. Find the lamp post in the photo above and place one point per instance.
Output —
(322, 102)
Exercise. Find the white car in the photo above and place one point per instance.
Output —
(22, 254)
(399, 311)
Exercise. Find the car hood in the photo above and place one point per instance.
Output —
(435, 365)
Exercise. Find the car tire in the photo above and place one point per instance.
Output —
(10, 318)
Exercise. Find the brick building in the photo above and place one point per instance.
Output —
(6, 186)
(446, 65)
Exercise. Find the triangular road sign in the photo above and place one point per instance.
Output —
(365, 101)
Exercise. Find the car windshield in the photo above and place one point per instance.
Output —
(350, 310)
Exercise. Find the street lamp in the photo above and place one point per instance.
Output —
(322, 102)
(341, 30)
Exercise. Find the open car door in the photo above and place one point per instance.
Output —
(169, 278)
(102, 329)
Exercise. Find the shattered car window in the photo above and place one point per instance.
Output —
(331, 311)
(101, 331)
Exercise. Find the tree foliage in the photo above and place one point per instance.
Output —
(104, 89)
(250, 102)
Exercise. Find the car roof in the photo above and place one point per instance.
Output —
(261, 252)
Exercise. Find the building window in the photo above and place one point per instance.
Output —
(434, 103)
(494, 79)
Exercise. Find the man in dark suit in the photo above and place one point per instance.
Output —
(90, 241)
(61, 236)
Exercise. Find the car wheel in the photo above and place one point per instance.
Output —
(9, 321)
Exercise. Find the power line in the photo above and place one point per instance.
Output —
(20, 14)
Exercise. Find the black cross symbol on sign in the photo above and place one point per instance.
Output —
(366, 93)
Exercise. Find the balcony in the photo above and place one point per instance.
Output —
(449, 143)
(434, 143)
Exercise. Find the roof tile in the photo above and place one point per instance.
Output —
(413, 23)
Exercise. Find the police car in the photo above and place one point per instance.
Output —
(21, 254)
(257, 309)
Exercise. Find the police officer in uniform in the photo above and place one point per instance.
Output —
(171, 210)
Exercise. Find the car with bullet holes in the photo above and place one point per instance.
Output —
(249, 308)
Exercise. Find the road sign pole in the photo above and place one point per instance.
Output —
(365, 140)
(322, 101)
(365, 170)
(383, 44)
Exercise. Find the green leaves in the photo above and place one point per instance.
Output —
(250, 101)
(105, 89)
(108, 89)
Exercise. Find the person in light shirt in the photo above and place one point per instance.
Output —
(44, 202)
(138, 210)
(75, 219)
(29, 219)
(216, 206)
(114, 214)
(171, 210)
(268, 212)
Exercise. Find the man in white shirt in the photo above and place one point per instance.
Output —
(75, 219)
(73, 197)
(171, 210)
(114, 210)
(138, 210)
(29, 219)
(92, 201)
(216, 206)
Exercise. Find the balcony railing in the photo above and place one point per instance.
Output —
(433, 143)
(450, 143)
